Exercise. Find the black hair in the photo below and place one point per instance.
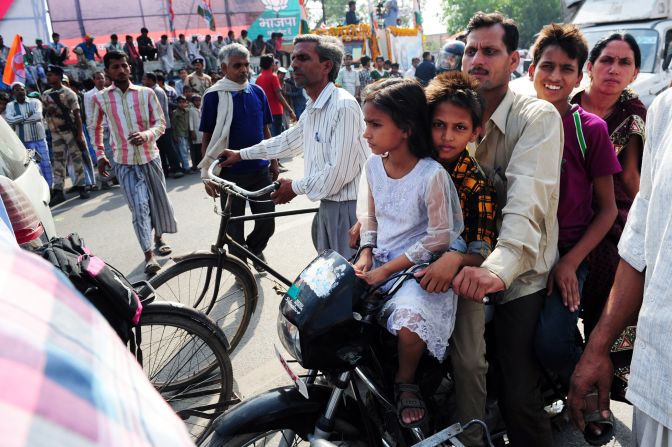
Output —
(243, 33)
(164, 36)
(160, 77)
(181, 98)
(151, 76)
(55, 35)
(459, 89)
(567, 37)
(364, 60)
(144, 30)
(624, 37)
(486, 20)
(114, 37)
(426, 54)
(180, 35)
(403, 100)
(113, 55)
(266, 61)
(129, 37)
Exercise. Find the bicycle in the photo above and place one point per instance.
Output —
(216, 282)
(185, 356)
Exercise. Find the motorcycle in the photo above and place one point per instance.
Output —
(327, 323)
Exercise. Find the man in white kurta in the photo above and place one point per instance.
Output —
(641, 290)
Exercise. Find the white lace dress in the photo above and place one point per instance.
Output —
(418, 216)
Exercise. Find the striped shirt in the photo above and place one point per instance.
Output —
(67, 380)
(136, 110)
(88, 111)
(330, 135)
(26, 119)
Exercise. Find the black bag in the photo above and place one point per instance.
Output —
(103, 285)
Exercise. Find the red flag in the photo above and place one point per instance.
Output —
(15, 70)
(171, 17)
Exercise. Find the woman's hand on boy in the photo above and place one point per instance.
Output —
(438, 276)
(563, 276)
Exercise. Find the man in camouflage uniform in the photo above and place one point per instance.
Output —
(65, 123)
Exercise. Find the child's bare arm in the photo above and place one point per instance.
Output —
(563, 274)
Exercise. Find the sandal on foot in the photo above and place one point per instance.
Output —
(409, 403)
(163, 249)
(605, 425)
(151, 267)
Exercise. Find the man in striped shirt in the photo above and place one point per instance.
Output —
(329, 133)
(25, 116)
(135, 120)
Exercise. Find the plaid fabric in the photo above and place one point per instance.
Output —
(67, 380)
(477, 199)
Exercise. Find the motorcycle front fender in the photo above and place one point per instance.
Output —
(281, 408)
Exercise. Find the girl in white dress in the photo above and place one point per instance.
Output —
(410, 213)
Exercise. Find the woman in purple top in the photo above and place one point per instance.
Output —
(588, 165)
(613, 64)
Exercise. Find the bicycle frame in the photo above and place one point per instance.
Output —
(223, 237)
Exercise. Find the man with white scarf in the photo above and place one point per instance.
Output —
(236, 114)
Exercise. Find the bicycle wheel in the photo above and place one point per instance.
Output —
(184, 356)
(230, 301)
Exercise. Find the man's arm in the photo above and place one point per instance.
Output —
(287, 144)
(11, 117)
(285, 104)
(157, 121)
(595, 368)
(533, 178)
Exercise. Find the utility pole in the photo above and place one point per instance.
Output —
(324, 13)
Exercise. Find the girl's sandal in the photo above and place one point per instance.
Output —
(408, 403)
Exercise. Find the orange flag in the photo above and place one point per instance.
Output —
(15, 70)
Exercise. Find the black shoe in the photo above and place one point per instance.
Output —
(105, 186)
(258, 267)
(178, 174)
(83, 193)
(57, 197)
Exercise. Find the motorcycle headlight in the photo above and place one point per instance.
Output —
(289, 336)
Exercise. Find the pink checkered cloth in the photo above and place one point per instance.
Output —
(65, 377)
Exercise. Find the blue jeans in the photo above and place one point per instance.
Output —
(40, 146)
(555, 343)
(183, 152)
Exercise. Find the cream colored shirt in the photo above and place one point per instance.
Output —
(521, 154)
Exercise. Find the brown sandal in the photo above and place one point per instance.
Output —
(408, 403)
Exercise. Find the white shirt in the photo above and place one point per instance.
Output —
(349, 80)
(645, 244)
(410, 73)
(27, 121)
(330, 135)
(88, 111)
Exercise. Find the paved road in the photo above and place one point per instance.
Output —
(104, 222)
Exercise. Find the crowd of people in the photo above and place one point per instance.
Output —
(553, 204)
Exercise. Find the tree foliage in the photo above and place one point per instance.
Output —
(530, 15)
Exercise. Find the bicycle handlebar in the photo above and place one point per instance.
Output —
(226, 184)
